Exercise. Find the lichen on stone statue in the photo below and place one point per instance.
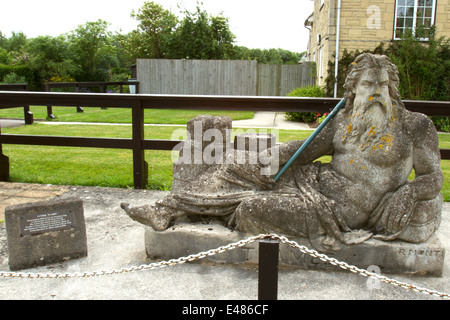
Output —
(363, 192)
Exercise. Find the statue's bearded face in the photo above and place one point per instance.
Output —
(372, 108)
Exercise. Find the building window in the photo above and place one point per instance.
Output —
(411, 14)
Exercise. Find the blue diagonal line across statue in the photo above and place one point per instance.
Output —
(311, 138)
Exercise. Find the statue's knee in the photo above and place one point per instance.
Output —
(245, 210)
(424, 221)
(246, 217)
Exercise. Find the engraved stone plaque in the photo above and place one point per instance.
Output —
(46, 232)
(45, 222)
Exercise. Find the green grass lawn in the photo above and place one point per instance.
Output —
(120, 115)
(114, 167)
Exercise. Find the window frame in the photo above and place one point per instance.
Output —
(414, 17)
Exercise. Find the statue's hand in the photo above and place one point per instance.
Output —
(394, 211)
(266, 176)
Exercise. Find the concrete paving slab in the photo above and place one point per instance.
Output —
(18, 193)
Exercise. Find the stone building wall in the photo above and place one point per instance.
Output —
(364, 24)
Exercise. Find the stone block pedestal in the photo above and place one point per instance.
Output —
(395, 257)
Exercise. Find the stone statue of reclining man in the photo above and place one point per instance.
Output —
(364, 191)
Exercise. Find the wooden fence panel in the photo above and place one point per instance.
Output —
(269, 77)
(220, 77)
(197, 77)
(291, 78)
(279, 80)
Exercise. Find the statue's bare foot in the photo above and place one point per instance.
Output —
(156, 217)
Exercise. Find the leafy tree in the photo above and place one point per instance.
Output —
(201, 36)
(344, 63)
(270, 56)
(13, 43)
(154, 33)
(117, 41)
(12, 49)
(161, 34)
(5, 58)
(48, 56)
(290, 57)
(424, 67)
(87, 44)
(3, 41)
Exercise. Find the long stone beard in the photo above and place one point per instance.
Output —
(369, 122)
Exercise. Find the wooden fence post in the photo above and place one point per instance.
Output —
(79, 109)
(49, 108)
(102, 90)
(28, 115)
(140, 167)
(4, 163)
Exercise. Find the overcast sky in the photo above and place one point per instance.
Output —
(256, 23)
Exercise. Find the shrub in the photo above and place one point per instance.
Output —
(441, 123)
(26, 72)
(307, 117)
(343, 65)
(13, 78)
(424, 69)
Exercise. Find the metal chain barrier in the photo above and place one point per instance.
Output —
(151, 266)
(357, 270)
(231, 246)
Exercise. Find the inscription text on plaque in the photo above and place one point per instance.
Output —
(45, 222)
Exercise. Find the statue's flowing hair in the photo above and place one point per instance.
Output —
(362, 126)
(367, 61)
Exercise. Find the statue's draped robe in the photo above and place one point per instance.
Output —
(250, 203)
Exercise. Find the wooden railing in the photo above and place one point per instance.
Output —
(27, 114)
(79, 86)
(138, 103)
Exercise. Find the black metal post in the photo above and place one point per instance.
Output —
(140, 167)
(268, 269)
